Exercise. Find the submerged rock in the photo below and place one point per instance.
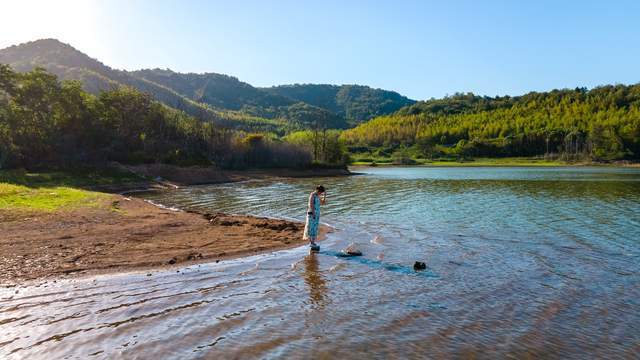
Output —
(351, 250)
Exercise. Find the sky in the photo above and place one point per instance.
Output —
(420, 48)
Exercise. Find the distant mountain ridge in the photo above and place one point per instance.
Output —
(229, 93)
(220, 98)
(218, 90)
(356, 103)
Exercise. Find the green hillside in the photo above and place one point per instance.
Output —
(217, 90)
(356, 103)
(219, 98)
(602, 123)
(68, 63)
(227, 92)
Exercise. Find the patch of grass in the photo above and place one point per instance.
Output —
(59, 189)
(368, 159)
(82, 177)
(20, 197)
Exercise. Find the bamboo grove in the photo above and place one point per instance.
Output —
(601, 124)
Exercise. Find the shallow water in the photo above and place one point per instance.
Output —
(521, 261)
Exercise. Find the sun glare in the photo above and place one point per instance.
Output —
(71, 21)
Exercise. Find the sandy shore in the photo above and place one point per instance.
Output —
(129, 234)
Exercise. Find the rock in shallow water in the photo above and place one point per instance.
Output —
(351, 250)
(418, 265)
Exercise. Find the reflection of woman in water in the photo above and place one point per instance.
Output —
(313, 215)
(314, 280)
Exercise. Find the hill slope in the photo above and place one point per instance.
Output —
(602, 123)
(356, 103)
(222, 99)
(227, 92)
(70, 64)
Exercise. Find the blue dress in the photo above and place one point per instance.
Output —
(311, 227)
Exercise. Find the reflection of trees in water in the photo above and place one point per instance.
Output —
(606, 190)
(315, 281)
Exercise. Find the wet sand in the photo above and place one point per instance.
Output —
(126, 234)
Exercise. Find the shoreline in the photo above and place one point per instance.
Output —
(123, 233)
(496, 164)
(172, 177)
(147, 237)
(166, 177)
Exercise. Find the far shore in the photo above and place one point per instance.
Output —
(497, 162)
(59, 231)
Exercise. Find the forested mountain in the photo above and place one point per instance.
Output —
(356, 103)
(68, 63)
(38, 112)
(227, 92)
(602, 123)
(223, 99)
(220, 91)
(45, 122)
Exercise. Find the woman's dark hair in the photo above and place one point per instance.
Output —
(320, 189)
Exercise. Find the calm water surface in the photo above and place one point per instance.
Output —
(521, 261)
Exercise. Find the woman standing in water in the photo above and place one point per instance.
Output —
(317, 198)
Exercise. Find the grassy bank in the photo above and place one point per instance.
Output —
(56, 190)
(16, 197)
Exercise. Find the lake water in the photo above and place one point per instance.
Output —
(541, 262)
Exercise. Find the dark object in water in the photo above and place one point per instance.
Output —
(315, 248)
(418, 265)
(349, 253)
(351, 250)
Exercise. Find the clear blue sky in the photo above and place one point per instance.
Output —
(421, 49)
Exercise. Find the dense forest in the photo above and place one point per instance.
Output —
(221, 99)
(600, 124)
(47, 122)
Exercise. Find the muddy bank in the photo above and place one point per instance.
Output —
(129, 234)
